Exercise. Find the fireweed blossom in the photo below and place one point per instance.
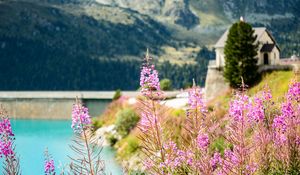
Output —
(196, 112)
(202, 141)
(281, 123)
(5, 127)
(197, 153)
(150, 125)
(216, 160)
(87, 159)
(195, 100)
(267, 95)
(149, 80)
(286, 130)
(7, 137)
(294, 91)
(238, 107)
(7, 147)
(49, 167)
(148, 121)
(80, 118)
(230, 164)
(255, 110)
(171, 160)
(243, 113)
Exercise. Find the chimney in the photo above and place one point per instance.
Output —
(242, 19)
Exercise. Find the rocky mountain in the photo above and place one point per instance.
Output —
(207, 19)
(173, 11)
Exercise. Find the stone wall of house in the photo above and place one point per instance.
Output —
(215, 83)
(278, 67)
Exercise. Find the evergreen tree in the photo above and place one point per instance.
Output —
(240, 55)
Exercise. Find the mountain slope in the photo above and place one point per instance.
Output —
(49, 46)
(98, 44)
(74, 29)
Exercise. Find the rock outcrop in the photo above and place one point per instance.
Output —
(174, 11)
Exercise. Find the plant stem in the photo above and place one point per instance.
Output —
(88, 150)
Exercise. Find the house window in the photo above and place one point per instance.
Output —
(266, 59)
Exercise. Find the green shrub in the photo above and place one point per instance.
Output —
(111, 139)
(166, 84)
(97, 123)
(133, 145)
(117, 94)
(219, 144)
(178, 112)
(126, 120)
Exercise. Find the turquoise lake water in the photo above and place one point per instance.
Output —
(34, 136)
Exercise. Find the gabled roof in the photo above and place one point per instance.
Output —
(267, 47)
(257, 31)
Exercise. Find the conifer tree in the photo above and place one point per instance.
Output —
(240, 55)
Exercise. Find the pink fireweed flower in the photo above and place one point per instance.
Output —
(298, 140)
(181, 155)
(49, 167)
(195, 100)
(149, 80)
(173, 157)
(280, 138)
(294, 91)
(256, 110)
(171, 146)
(189, 157)
(250, 169)
(287, 109)
(7, 137)
(202, 141)
(148, 121)
(6, 148)
(280, 123)
(215, 160)
(238, 106)
(267, 95)
(5, 127)
(231, 156)
(80, 118)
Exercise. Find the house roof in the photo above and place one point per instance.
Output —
(267, 47)
(257, 31)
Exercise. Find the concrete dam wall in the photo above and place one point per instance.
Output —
(57, 104)
(53, 105)
(38, 108)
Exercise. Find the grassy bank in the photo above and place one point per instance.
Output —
(127, 143)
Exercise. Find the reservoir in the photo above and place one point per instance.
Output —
(42, 120)
(34, 136)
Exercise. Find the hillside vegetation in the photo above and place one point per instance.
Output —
(129, 148)
(276, 81)
(63, 44)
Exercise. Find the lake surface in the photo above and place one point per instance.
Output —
(34, 136)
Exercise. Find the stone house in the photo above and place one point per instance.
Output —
(268, 52)
(268, 55)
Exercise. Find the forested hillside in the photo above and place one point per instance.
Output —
(99, 44)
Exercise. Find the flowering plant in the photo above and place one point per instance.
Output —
(7, 147)
(49, 167)
(87, 159)
(254, 126)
